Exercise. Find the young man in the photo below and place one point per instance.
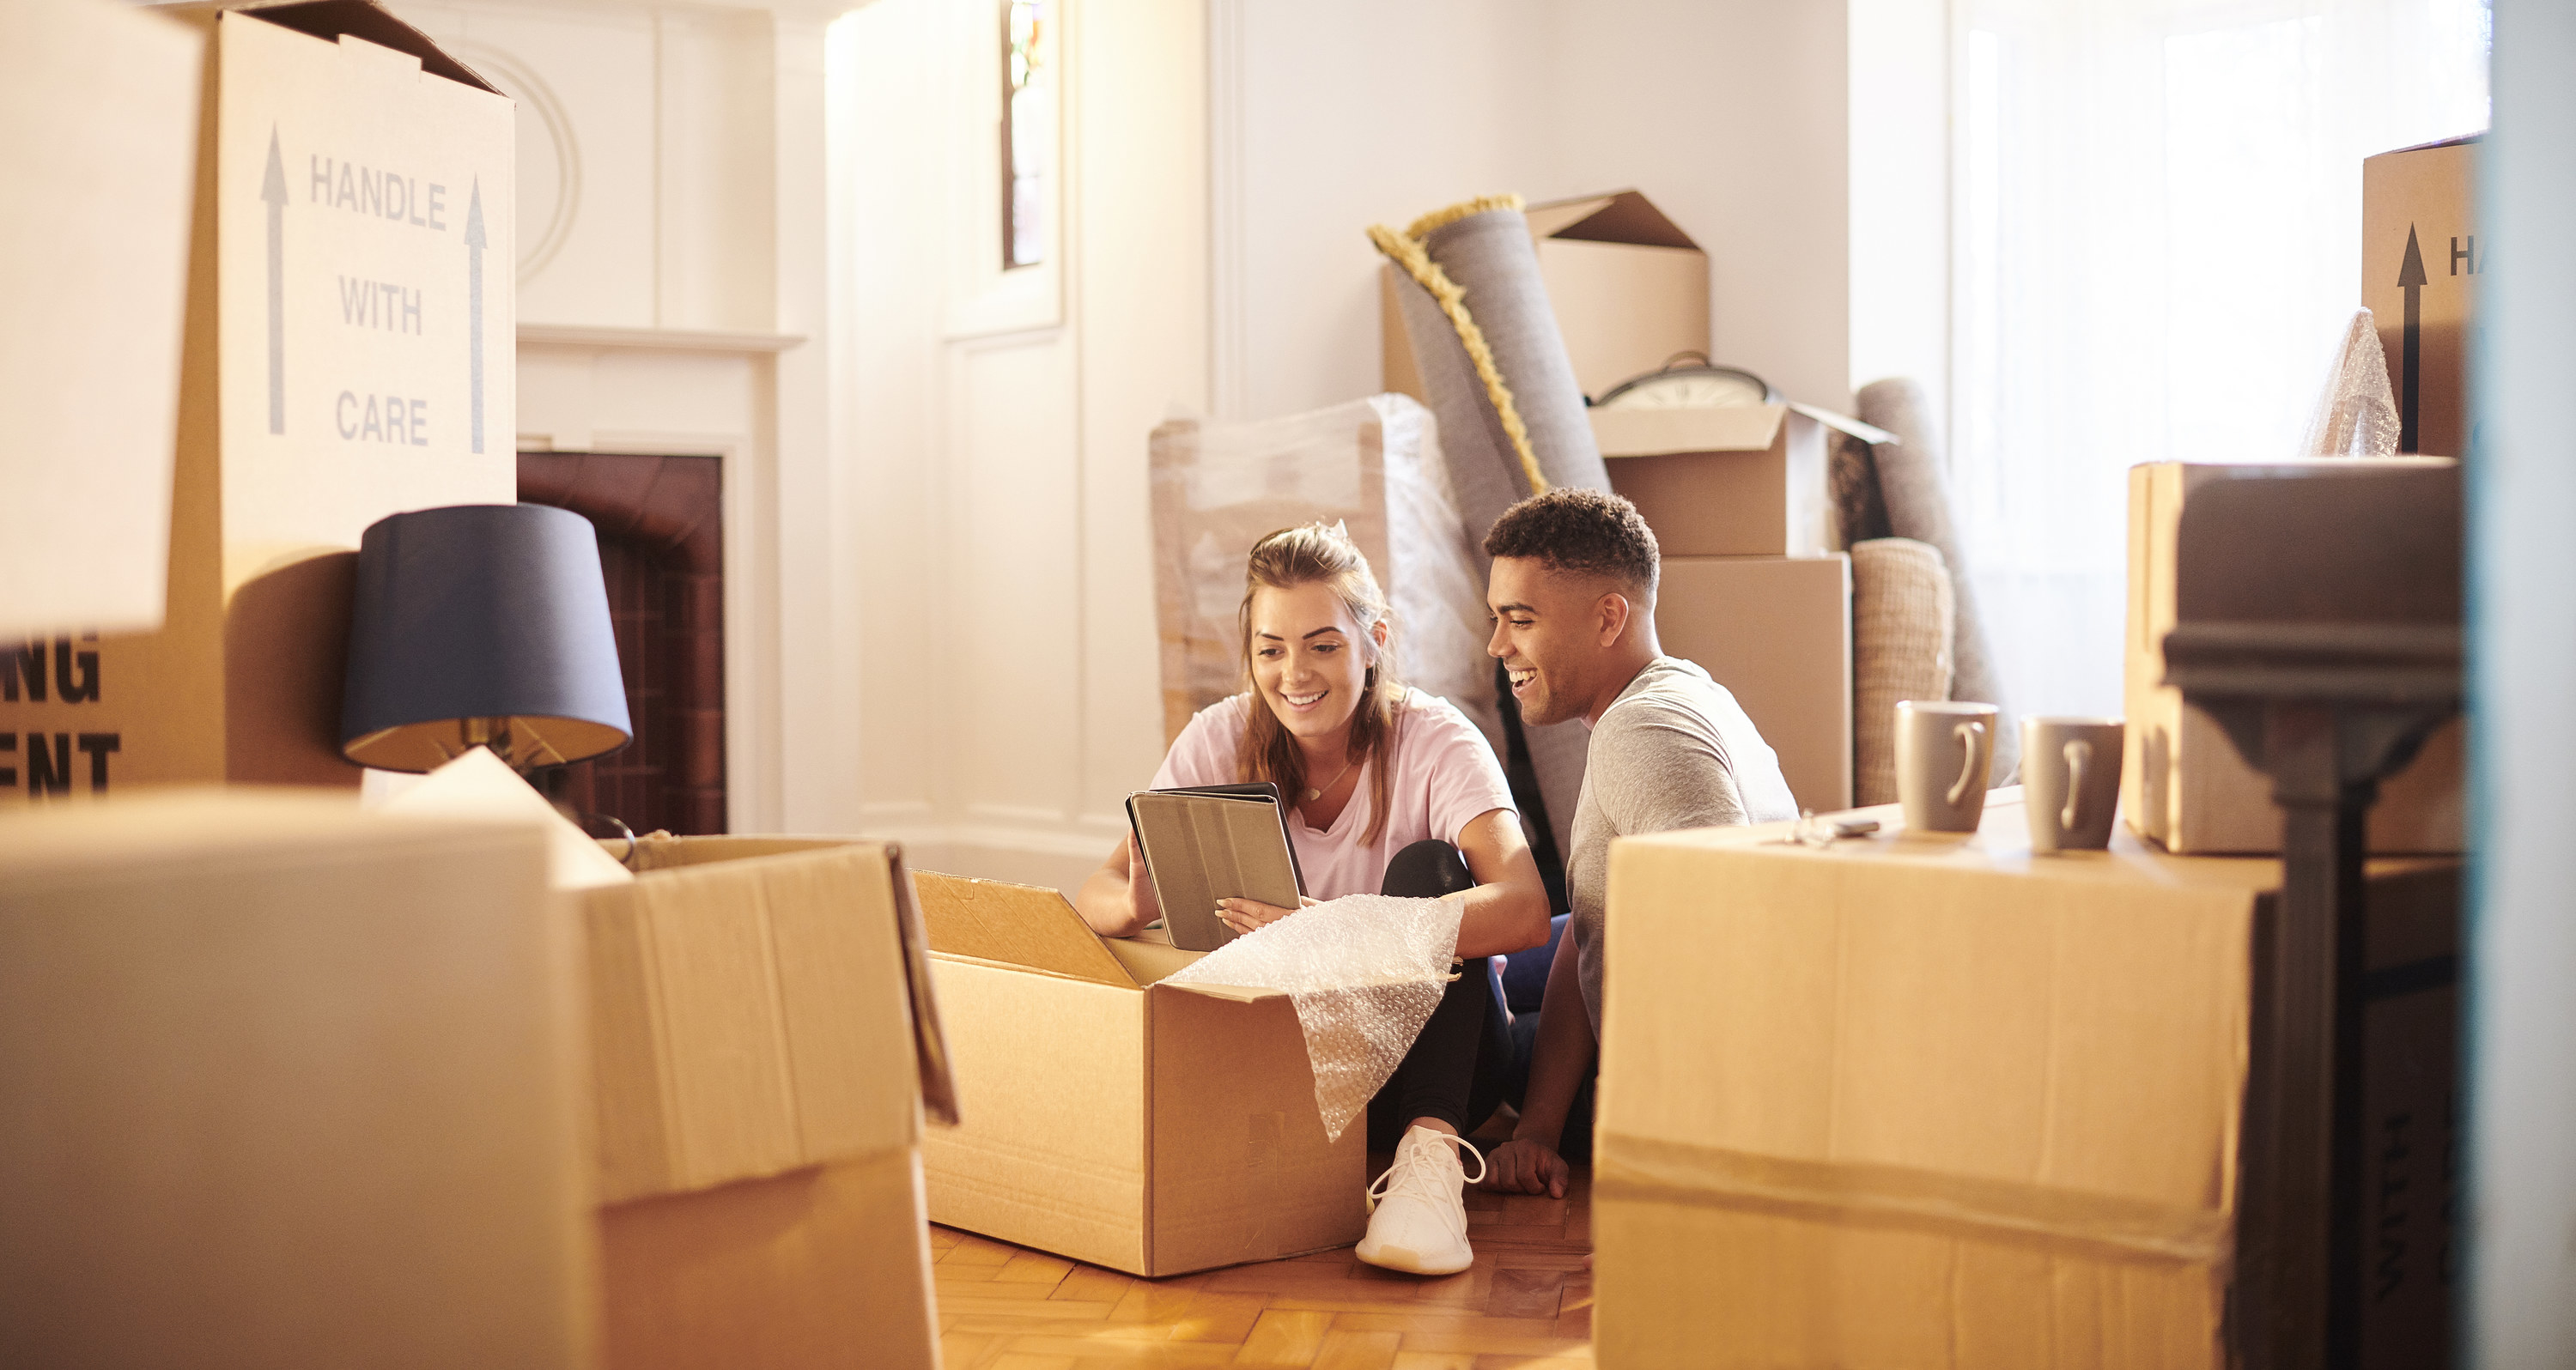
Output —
(1573, 598)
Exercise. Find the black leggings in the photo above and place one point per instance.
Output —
(1457, 1067)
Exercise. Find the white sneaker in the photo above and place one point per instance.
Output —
(1417, 1219)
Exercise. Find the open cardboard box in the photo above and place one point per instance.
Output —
(763, 1039)
(1729, 481)
(1142, 1126)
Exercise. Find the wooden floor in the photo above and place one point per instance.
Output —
(1526, 1304)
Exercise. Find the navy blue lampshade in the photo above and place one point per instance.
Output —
(481, 625)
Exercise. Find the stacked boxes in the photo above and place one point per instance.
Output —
(348, 354)
(761, 1035)
(1736, 497)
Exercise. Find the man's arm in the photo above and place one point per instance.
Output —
(1529, 1162)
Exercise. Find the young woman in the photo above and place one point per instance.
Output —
(1391, 791)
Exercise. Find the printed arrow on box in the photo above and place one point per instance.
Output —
(475, 246)
(2410, 278)
(272, 189)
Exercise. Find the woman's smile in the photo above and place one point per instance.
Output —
(1303, 701)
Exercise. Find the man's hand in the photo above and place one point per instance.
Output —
(1521, 1166)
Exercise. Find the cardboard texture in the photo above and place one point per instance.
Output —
(349, 353)
(825, 1266)
(2182, 782)
(758, 1026)
(1150, 1128)
(1776, 632)
(1744, 481)
(1939, 1101)
(2420, 264)
(287, 1085)
(1628, 287)
(98, 145)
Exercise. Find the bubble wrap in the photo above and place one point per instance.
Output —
(1364, 972)
(2356, 414)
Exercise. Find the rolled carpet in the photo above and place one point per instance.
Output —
(1495, 371)
(1918, 507)
(1902, 623)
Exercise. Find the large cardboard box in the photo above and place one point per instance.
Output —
(1142, 1126)
(1629, 288)
(1776, 631)
(1742, 481)
(283, 1084)
(762, 1034)
(2420, 264)
(1940, 1101)
(2182, 782)
(95, 271)
(348, 354)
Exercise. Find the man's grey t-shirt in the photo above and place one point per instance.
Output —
(1674, 750)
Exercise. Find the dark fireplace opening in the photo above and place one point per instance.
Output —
(661, 548)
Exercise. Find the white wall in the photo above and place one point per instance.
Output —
(1331, 115)
(1900, 193)
(2522, 952)
(1008, 685)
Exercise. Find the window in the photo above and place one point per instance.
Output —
(2156, 243)
(1028, 133)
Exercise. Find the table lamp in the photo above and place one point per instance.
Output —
(481, 625)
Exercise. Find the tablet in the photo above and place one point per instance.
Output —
(1209, 843)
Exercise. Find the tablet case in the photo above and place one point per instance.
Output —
(1210, 843)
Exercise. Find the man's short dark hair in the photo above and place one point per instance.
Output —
(1585, 532)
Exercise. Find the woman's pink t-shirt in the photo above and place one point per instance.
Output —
(1445, 776)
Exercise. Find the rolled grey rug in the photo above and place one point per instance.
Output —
(1495, 371)
(1918, 507)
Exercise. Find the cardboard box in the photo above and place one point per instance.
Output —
(95, 270)
(1746, 481)
(1776, 631)
(1942, 1102)
(1629, 288)
(287, 1084)
(1141, 1126)
(2420, 264)
(2182, 782)
(760, 1018)
(349, 353)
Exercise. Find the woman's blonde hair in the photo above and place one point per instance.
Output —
(1320, 553)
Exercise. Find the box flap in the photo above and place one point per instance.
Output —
(1649, 432)
(1018, 925)
(1149, 955)
(1622, 216)
(1845, 423)
(361, 19)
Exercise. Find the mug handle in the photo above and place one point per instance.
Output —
(2078, 753)
(1972, 737)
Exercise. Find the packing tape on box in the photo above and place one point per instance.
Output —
(1364, 972)
(1642, 1170)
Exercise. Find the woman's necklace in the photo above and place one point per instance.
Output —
(1315, 792)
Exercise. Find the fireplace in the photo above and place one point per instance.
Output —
(661, 550)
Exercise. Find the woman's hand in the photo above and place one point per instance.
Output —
(1245, 915)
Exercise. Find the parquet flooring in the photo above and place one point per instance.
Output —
(1525, 1305)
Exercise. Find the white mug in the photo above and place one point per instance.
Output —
(1945, 752)
(2070, 773)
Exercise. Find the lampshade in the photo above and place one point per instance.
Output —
(481, 624)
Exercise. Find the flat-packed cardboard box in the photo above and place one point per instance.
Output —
(1742, 481)
(762, 1034)
(1141, 1126)
(1776, 632)
(1629, 288)
(1939, 1101)
(348, 354)
(2420, 264)
(2182, 782)
(284, 1084)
